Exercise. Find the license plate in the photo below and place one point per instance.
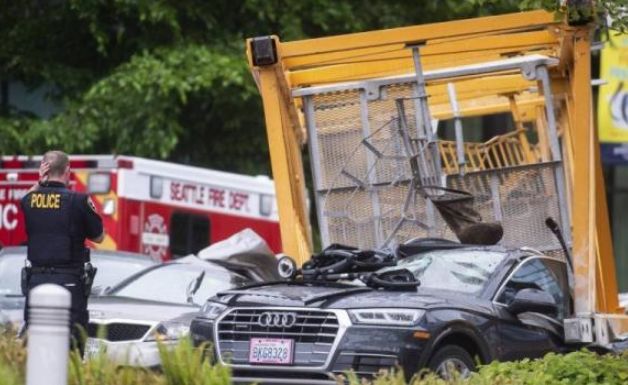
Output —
(94, 346)
(278, 351)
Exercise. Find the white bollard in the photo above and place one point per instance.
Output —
(48, 335)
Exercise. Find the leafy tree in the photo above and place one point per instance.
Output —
(168, 78)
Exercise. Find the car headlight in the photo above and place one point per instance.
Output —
(400, 317)
(169, 331)
(211, 310)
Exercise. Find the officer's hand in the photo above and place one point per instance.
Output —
(44, 167)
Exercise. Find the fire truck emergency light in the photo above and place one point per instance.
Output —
(98, 183)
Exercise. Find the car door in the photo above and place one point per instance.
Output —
(532, 334)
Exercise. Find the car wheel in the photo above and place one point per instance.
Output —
(451, 359)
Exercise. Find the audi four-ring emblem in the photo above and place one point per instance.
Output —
(277, 319)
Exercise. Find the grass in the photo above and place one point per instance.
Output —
(185, 365)
(12, 359)
(8, 376)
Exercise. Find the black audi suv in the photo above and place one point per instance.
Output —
(469, 304)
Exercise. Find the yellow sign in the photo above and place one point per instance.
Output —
(613, 99)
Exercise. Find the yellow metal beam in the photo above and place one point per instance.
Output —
(607, 298)
(595, 280)
(527, 109)
(287, 166)
(479, 87)
(541, 131)
(507, 42)
(565, 126)
(583, 202)
(348, 72)
(518, 119)
(491, 24)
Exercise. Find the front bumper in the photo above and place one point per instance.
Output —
(364, 350)
(123, 341)
(128, 353)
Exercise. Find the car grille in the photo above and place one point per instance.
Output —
(118, 331)
(314, 333)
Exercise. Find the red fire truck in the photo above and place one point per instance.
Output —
(148, 206)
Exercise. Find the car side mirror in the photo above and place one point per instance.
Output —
(533, 300)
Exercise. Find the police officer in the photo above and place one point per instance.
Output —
(57, 223)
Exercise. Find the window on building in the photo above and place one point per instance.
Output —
(189, 233)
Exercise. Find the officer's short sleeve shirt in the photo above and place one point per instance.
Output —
(92, 223)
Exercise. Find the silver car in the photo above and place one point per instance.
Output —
(113, 267)
(156, 304)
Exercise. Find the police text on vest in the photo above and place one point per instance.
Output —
(45, 201)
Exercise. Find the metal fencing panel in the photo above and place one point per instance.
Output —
(365, 191)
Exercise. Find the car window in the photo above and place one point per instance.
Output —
(170, 282)
(112, 271)
(189, 233)
(536, 274)
(10, 270)
(464, 271)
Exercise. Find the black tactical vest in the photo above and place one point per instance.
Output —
(49, 224)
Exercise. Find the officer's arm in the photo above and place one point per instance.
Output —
(44, 167)
(93, 223)
(99, 238)
(34, 187)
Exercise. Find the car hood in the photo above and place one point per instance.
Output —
(12, 309)
(113, 307)
(12, 302)
(342, 297)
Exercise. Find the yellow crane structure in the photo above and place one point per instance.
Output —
(335, 93)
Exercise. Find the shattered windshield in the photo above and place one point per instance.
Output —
(464, 271)
(171, 283)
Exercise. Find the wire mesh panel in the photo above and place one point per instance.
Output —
(338, 130)
(521, 197)
(367, 193)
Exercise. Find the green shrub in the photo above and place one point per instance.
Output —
(9, 376)
(12, 359)
(185, 365)
(577, 368)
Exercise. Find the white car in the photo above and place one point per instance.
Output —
(156, 304)
(113, 267)
(159, 303)
(623, 301)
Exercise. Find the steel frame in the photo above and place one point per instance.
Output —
(346, 61)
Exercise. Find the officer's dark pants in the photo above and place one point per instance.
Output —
(79, 316)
